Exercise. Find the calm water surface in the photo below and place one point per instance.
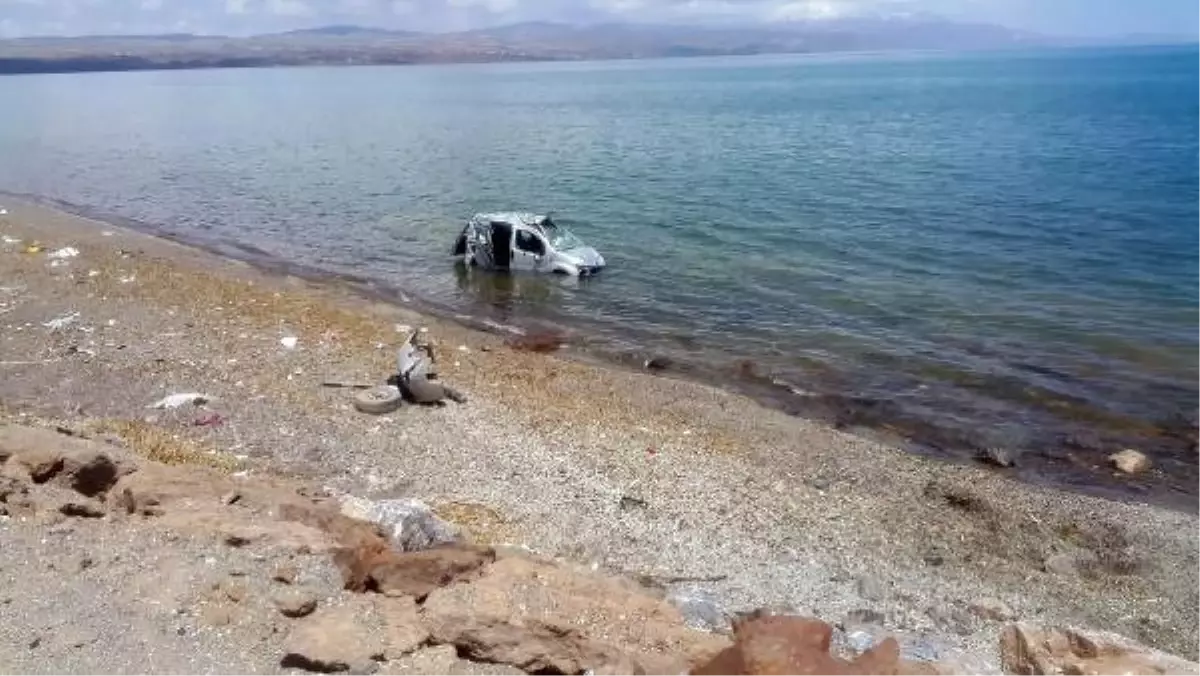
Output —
(971, 250)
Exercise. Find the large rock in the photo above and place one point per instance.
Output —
(416, 574)
(410, 525)
(789, 645)
(334, 640)
(405, 630)
(542, 617)
(773, 644)
(444, 659)
(88, 467)
(1028, 649)
(1130, 461)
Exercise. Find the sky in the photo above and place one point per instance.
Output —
(1085, 18)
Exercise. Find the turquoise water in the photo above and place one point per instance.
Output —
(975, 250)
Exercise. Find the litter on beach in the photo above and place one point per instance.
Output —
(60, 323)
(177, 400)
(10, 240)
(65, 252)
(289, 342)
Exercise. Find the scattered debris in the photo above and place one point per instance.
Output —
(177, 400)
(129, 279)
(34, 248)
(65, 252)
(347, 384)
(10, 240)
(210, 420)
(60, 323)
(289, 342)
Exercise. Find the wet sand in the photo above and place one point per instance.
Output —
(627, 470)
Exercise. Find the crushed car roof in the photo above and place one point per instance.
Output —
(513, 217)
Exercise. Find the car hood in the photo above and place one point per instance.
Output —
(585, 256)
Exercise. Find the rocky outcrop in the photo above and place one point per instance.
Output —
(543, 617)
(1028, 649)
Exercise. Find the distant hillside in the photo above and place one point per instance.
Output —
(343, 45)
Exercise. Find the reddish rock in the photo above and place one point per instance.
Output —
(405, 631)
(1028, 649)
(416, 574)
(795, 645)
(43, 464)
(333, 640)
(541, 617)
(295, 602)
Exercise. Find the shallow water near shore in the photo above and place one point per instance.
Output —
(967, 251)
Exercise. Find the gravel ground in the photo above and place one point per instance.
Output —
(629, 471)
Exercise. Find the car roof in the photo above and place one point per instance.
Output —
(513, 217)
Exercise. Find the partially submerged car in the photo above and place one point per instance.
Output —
(524, 241)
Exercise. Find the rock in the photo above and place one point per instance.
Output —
(542, 617)
(1130, 461)
(405, 631)
(91, 474)
(285, 573)
(234, 590)
(870, 588)
(87, 509)
(295, 602)
(410, 525)
(1061, 564)
(794, 645)
(1000, 457)
(700, 609)
(1029, 649)
(333, 641)
(415, 574)
(444, 659)
(217, 615)
(952, 618)
(864, 616)
(43, 464)
(992, 609)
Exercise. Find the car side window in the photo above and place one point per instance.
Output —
(530, 243)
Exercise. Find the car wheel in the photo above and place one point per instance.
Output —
(378, 400)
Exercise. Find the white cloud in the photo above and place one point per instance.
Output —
(289, 8)
(235, 6)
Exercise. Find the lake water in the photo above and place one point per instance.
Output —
(967, 250)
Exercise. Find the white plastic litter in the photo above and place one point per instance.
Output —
(65, 252)
(3, 212)
(10, 240)
(289, 342)
(177, 400)
(60, 323)
(93, 273)
(129, 280)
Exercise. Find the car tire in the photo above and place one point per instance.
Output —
(378, 400)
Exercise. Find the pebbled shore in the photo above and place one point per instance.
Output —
(778, 510)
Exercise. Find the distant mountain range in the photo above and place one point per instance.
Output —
(533, 41)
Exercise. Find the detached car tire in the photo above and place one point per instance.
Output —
(378, 400)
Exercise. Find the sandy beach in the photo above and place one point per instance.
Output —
(631, 472)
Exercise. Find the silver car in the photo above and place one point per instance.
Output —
(524, 241)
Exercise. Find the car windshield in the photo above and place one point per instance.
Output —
(562, 239)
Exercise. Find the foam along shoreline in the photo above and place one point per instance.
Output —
(602, 466)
